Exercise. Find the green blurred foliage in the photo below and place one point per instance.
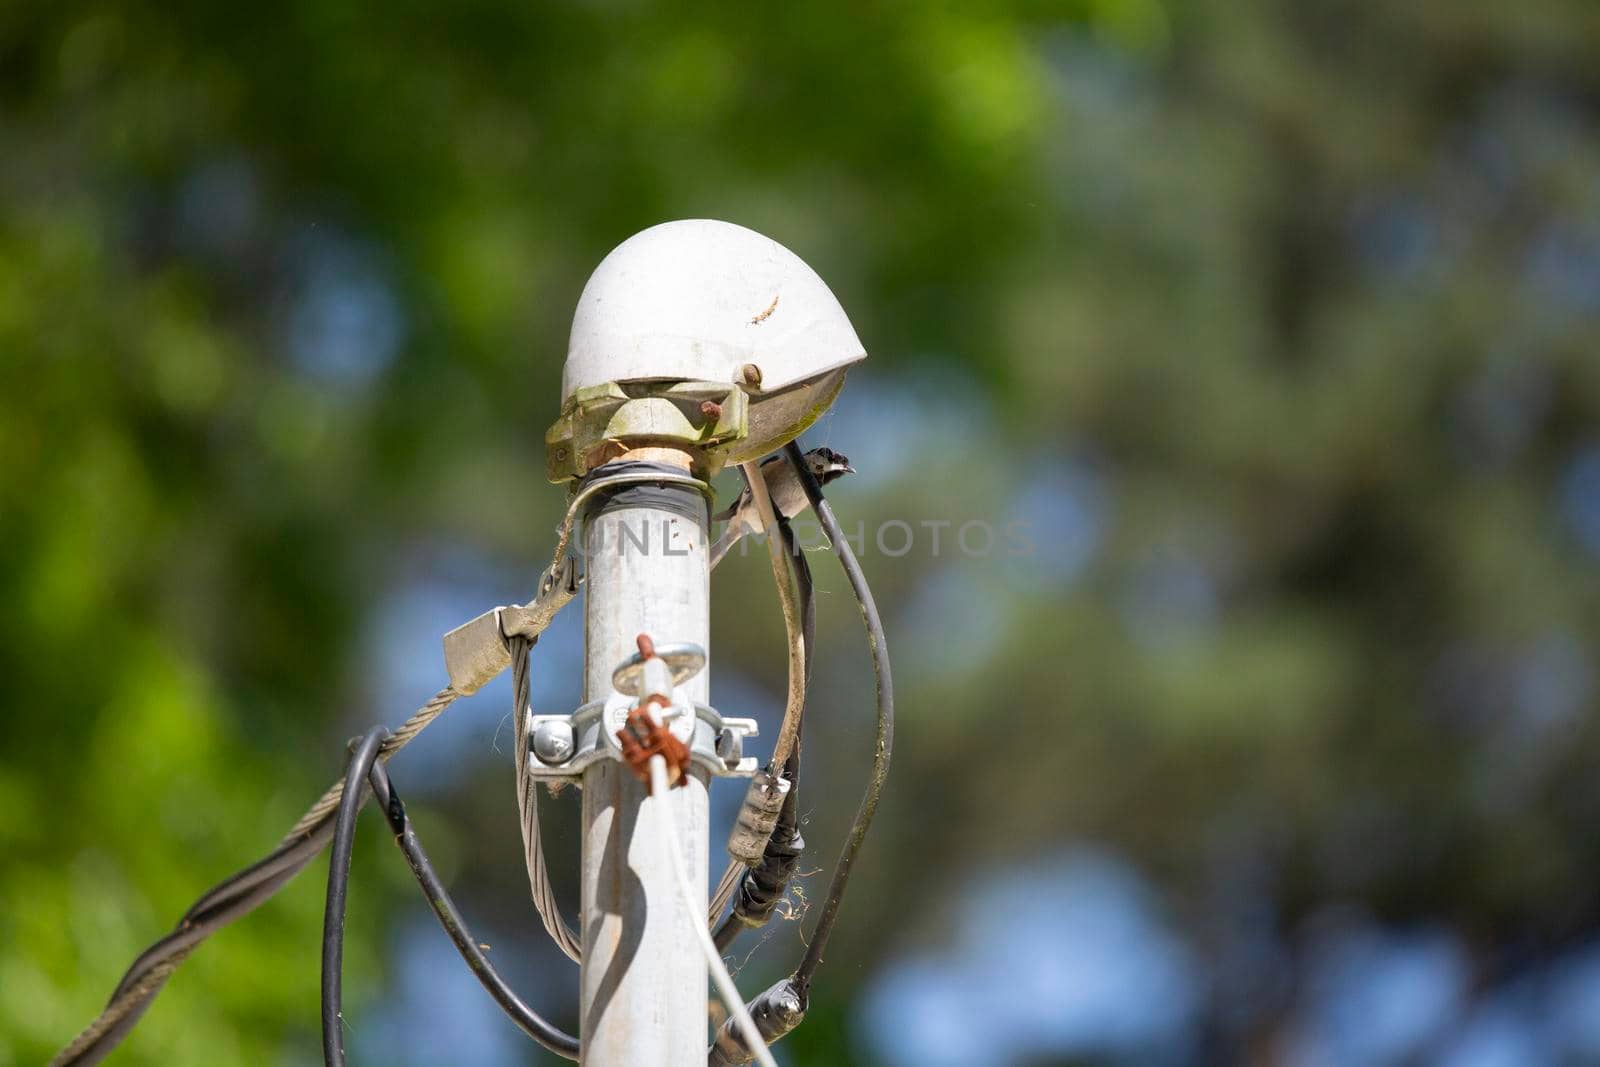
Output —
(1309, 289)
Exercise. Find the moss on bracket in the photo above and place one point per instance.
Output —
(696, 415)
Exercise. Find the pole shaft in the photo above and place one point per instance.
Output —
(643, 979)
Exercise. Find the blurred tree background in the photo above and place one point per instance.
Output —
(1274, 325)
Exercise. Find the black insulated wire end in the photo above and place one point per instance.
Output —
(776, 1012)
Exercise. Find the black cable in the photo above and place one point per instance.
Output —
(781, 1008)
(243, 892)
(362, 760)
(364, 768)
(232, 898)
(289, 858)
(884, 736)
(761, 887)
(236, 897)
(531, 1023)
(808, 593)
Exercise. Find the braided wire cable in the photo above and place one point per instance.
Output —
(544, 895)
(328, 803)
(246, 890)
(119, 1016)
(593, 485)
(232, 899)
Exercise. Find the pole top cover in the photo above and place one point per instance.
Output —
(699, 300)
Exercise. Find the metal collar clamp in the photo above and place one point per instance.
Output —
(564, 745)
(649, 683)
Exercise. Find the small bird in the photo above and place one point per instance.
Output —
(783, 486)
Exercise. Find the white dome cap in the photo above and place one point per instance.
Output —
(696, 300)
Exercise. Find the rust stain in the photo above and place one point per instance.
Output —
(641, 737)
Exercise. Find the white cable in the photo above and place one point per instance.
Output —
(692, 910)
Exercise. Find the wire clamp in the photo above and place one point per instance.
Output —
(648, 705)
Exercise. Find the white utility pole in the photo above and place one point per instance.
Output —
(643, 977)
(696, 344)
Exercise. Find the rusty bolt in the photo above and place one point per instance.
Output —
(751, 375)
(647, 647)
(711, 409)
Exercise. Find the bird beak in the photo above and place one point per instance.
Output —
(849, 469)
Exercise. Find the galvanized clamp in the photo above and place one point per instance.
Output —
(564, 745)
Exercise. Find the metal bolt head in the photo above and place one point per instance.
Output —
(552, 742)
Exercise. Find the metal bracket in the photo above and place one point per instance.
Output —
(564, 745)
(698, 415)
(476, 651)
(556, 590)
(651, 681)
